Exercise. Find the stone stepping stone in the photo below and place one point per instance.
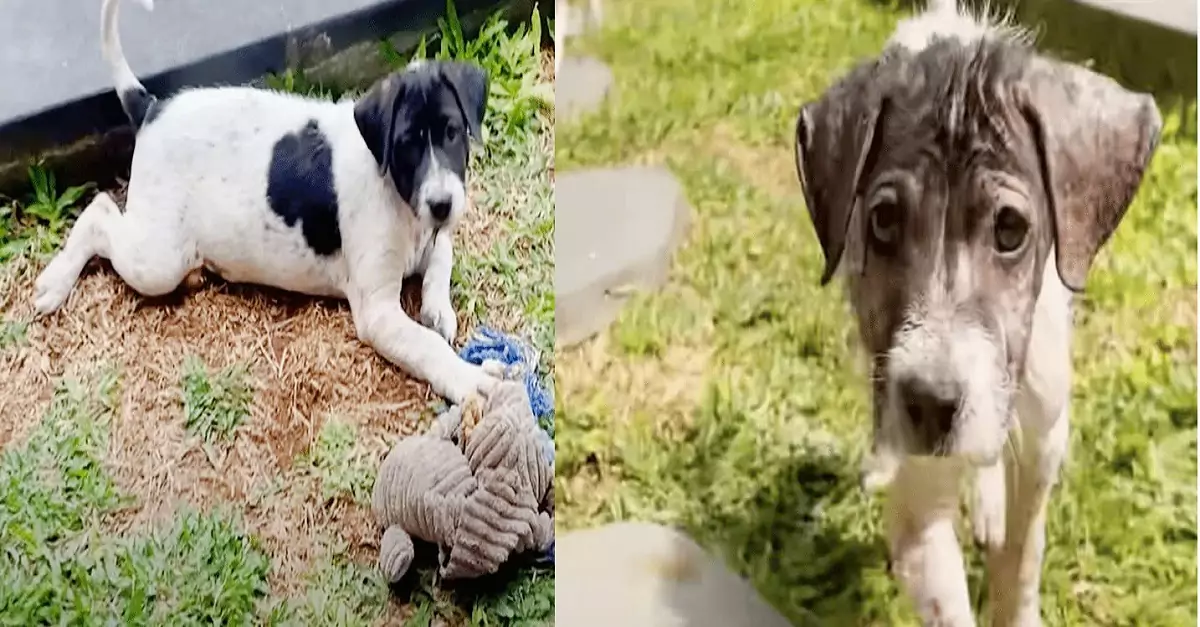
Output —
(644, 575)
(580, 86)
(615, 231)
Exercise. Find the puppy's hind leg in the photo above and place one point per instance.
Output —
(86, 240)
(146, 250)
(150, 252)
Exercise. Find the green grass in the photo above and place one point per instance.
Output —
(344, 470)
(339, 593)
(36, 225)
(12, 333)
(509, 284)
(761, 462)
(501, 600)
(214, 403)
(59, 566)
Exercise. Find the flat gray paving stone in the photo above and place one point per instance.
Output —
(644, 575)
(615, 231)
(581, 85)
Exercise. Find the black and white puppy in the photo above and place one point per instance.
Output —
(338, 199)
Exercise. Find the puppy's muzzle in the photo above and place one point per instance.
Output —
(932, 409)
(440, 210)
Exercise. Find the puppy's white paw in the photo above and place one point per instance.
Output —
(439, 315)
(494, 367)
(472, 380)
(52, 287)
(988, 507)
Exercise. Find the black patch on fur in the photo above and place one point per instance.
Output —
(141, 106)
(300, 187)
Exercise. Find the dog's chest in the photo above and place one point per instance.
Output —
(422, 251)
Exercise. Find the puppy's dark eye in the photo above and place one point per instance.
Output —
(1010, 230)
(451, 134)
(885, 223)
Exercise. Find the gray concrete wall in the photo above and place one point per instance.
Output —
(57, 102)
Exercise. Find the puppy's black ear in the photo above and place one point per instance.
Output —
(469, 84)
(375, 115)
(1094, 140)
(835, 145)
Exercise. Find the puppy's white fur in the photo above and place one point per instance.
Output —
(1010, 495)
(197, 197)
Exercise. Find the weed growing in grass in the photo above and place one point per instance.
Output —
(214, 403)
(339, 593)
(58, 565)
(527, 602)
(37, 225)
(500, 600)
(343, 468)
(12, 333)
(296, 81)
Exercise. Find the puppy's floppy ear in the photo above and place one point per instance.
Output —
(1094, 140)
(375, 115)
(835, 145)
(469, 84)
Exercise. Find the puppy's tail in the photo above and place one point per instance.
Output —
(135, 100)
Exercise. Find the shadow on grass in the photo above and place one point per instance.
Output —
(289, 304)
(785, 523)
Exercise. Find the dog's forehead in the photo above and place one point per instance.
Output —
(955, 99)
(425, 100)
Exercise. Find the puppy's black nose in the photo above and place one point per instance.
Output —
(440, 210)
(931, 408)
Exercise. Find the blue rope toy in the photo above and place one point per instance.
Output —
(519, 359)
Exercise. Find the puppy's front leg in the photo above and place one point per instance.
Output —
(1015, 570)
(382, 325)
(925, 554)
(437, 312)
